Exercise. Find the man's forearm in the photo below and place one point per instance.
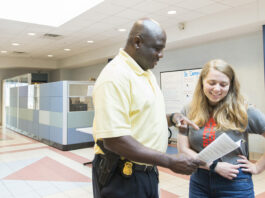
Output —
(128, 147)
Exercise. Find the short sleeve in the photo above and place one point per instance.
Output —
(184, 111)
(112, 106)
(256, 121)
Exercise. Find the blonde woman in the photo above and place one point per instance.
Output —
(218, 107)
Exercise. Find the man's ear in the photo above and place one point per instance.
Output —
(137, 40)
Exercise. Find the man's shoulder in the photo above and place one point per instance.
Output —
(115, 72)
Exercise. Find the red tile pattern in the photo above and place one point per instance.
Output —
(48, 169)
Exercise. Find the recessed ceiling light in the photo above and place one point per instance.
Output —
(90, 41)
(3, 51)
(31, 34)
(121, 30)
(172, 12)
(66, 49)
(50, 55)
(26, 9)
(15, 44)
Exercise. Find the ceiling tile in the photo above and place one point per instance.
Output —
(131, 13)
(100, 24)
(127, 4)
(150, 6)
(192, 4)
(213, 8)
(235, 2)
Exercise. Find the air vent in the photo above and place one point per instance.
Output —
(52, 36)
(19, 52)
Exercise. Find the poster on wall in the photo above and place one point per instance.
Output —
(178, 87)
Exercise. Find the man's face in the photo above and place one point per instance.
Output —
(150, 51)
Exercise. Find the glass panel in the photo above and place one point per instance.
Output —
(78, 90)
(7, 94)
(37, 96)
(81, 103)
(31, 97)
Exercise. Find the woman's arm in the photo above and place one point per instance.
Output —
(254, 168)
(184, 146)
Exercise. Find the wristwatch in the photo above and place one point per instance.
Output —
(171, 119)
(212, 167)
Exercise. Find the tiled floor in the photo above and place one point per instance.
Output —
(29, 169)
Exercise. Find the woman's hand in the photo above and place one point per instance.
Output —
(247, 166)
(227, 170)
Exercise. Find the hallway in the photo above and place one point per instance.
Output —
(30, 169)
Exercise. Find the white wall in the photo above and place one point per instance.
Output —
(79, 74)
(26, 62)
(244, 53)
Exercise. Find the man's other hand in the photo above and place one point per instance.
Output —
(184, 164)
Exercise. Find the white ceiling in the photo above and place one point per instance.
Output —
(100, 24)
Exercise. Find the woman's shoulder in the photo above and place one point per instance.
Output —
(252, 111)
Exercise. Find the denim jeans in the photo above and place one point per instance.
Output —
(204, 184)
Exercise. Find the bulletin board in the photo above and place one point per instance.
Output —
(178, 87)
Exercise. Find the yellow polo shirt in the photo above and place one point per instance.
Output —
(128, 101)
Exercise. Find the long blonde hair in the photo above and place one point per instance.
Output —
(230, 113)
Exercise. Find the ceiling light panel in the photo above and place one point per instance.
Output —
(44, 12)
(15, 44)
(172, 12)
(31, 34)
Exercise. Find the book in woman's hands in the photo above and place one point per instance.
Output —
(218, 148)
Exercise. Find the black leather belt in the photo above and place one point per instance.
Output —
(144, 168)
(138, 167)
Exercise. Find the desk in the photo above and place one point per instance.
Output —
(88, 130)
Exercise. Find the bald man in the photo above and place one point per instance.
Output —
(130, 125)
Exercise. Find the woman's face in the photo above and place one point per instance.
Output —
(215, 86)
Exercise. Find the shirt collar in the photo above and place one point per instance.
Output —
(133, 64)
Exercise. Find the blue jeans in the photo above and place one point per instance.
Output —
(204, 184)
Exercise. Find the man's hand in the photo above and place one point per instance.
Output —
(182, 122)
(184, 164)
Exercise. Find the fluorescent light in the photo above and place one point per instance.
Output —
(31, 34)
(3, 51)
(121, 30)
(45, 12)
(66, 49)
(50, 55)
(90, 41)
(15, 44)
(172, 12)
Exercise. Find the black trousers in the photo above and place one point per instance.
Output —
(142, 184)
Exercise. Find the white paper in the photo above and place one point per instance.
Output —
(218, 148)
(90, 90)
